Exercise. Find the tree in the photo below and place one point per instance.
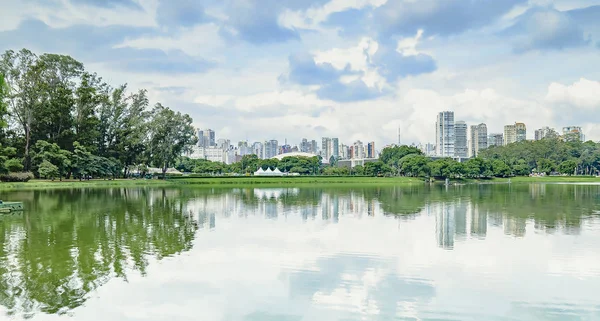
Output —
(567, 167)
(81, 161)
(500, 169)
(48, 170)
(415, 165)
(171, 134)
(13, 165)
(51, 152)
(376, 169)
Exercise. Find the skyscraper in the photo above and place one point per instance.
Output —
(496, 139)
(258, 149)
(206, 137)
(460, 139)
(371, 150)
(444, 134)
(478, 140)
(335, 148)
(271, 149)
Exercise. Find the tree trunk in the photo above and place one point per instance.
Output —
(27, 139)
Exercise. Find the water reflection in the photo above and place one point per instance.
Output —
(489, 252)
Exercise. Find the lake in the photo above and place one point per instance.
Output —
(474, 252)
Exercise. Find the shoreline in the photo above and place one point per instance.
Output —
(282, 181)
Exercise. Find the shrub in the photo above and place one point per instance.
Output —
(16, 177)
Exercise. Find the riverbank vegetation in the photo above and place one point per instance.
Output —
(59, 120)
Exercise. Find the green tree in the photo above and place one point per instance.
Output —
(51, 152)
(171, 134)
(13, 165)
(568, 167)
(48, 170)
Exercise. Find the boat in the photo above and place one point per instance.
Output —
(7, 207)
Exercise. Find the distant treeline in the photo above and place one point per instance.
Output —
(58, 119)
(550, 155)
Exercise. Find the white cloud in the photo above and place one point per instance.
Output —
(582, 94)
(408, 46)
(197, 41)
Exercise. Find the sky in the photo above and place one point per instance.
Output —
(353, 69)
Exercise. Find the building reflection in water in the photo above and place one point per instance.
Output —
(457, 219)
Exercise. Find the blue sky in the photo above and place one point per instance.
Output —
(353, 69)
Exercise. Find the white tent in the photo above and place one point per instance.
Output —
(259, 172)
(277, 171)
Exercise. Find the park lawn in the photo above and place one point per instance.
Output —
(306, 181)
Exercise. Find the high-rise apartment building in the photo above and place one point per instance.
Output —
(325, 145)
(478, 140)
(304, 146)
(521, 132)
(510, 134)
(358, 150)
(428, 149)
(515, 133)
(271, 148)
(575, 131)
(335, 148)
(460, 139)
(495, 139)
(371, 150)
(444, 134)
(223, 144)
(544, 132)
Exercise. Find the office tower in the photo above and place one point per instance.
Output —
(304, 146)
(479, 139)
(574, 131)
(200, 136)
(496, 139)
(358, 151)
(460, 139)
(335, 148)
(371, 150)
(271, 148)
(444, 134)
(244, 148)
(258, 149)
(545, 132)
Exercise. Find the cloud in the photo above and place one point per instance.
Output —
(110, 3)
(546, 29)
(257, 21)
(405, 60)
(356, 90)
(581, 94)
(184, 13)
(91, 44)
(445, 18)
(305, 71)
(351, 22)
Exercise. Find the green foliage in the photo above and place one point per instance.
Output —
(48, 170)
(16, 177)
(13, 165)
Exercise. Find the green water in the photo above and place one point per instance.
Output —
(481, 252)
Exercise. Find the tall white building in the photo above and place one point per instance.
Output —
(270, 149)
(358, 150)
(478, 140)
(444, 134)
(258, 149)
(460, 139)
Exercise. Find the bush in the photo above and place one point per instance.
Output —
(16, 177)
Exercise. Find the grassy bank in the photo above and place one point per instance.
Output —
(280, 181)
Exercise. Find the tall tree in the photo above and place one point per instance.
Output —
(23, 74)
(171, 134)
(88, 97)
